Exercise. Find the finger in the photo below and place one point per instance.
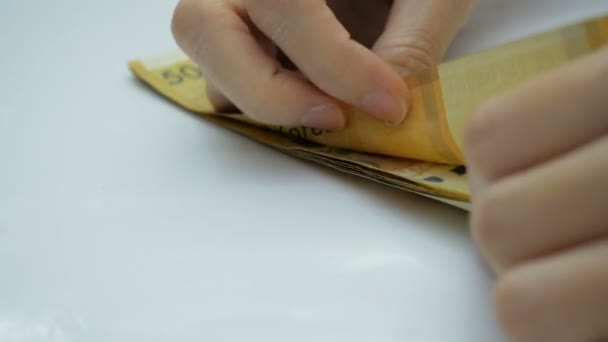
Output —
(545, 209)
(220, 103)
(541, 120)
(311, 36)
(215, 36)
(561, 298)
(418, 33)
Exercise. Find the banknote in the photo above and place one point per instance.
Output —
(424, 153)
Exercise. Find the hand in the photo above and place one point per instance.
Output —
(538, 158)
(239, 43)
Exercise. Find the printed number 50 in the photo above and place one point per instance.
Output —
(185, 72)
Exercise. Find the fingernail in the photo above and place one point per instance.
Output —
(328, 116)
(392, 124)
(385, 106)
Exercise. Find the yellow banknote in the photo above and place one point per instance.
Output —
(422, 154)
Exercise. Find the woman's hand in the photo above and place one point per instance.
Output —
(343, 51)
(538, 158)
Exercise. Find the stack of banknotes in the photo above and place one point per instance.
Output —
(424, 153)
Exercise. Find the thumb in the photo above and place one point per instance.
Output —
(418, 33)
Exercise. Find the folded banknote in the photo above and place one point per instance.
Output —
(424, 153)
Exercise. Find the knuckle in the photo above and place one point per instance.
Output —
(489, 227)
(414, 50)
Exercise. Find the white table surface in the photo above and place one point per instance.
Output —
(124, 219)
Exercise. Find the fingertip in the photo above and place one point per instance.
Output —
(390, 100)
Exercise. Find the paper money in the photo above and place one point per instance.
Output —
(424, 154)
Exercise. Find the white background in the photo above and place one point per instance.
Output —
(122, 218)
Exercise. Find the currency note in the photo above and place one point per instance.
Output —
(424, 153)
